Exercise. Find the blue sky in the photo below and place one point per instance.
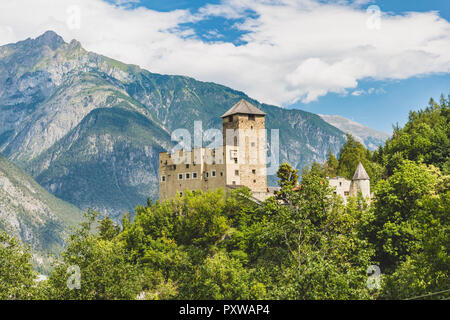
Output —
(389, 101)
(389, 107)
(341, 57)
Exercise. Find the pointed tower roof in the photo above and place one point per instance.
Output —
(360, 173)
(243, 107)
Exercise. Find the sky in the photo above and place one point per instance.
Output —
(369, 61)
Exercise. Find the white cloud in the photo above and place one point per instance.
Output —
(125, 2)
(295, 50)
(358, 93)
(369, 91)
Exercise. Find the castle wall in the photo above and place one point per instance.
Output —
(346, 188)
(179, 176)
(341, 186)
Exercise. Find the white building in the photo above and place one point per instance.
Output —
(359, 183)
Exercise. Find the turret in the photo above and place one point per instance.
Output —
(360, 182)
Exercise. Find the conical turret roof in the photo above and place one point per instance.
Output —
(243, 107)
(360, 173)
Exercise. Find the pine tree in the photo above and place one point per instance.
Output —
(331, 165)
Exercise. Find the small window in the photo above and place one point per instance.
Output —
(194, 175)
(187, 166)
(236, 172)
(234, 182)
(251, 117)
(213, 173)
(221, 174)
(252, 144)
(230, 119)
(188, 176)
(254, 181)
(206, 174)
(235, 141)
(163, 178)
(181, 194)
(235, 160)
(180, 176)
(340, 184)
(346, 193)
(254, 171)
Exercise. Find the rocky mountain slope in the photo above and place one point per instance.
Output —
(369, 137)
(89, 128)
(30, 213)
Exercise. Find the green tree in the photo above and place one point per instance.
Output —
(332, 164)
(425, 138)
(312, 248)
(108, 229)
(422, 268)
(353, 152)
(17, 278)
(221, 277)
(105, 271)
(288, 176)
(288, 180)
(171, 240)
(401, 212)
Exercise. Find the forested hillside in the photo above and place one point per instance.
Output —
(34, 216)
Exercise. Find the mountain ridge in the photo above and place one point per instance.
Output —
(371, 138)
(89, 128)
(31, 214)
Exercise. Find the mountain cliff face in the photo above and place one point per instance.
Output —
(89, 128)
(28, 212)
(369, 137)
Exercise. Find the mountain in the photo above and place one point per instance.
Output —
(28, 212)
(89, 128)
(369, 137)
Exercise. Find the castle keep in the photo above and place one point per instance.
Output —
(240, 161)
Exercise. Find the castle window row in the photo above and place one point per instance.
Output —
(187, 176)
(193, 175)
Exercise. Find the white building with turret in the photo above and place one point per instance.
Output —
(359, 183)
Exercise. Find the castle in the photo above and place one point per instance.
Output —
(239, 161)
(359, 183)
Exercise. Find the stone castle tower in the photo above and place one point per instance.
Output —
(240, 161)
(244, 141)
